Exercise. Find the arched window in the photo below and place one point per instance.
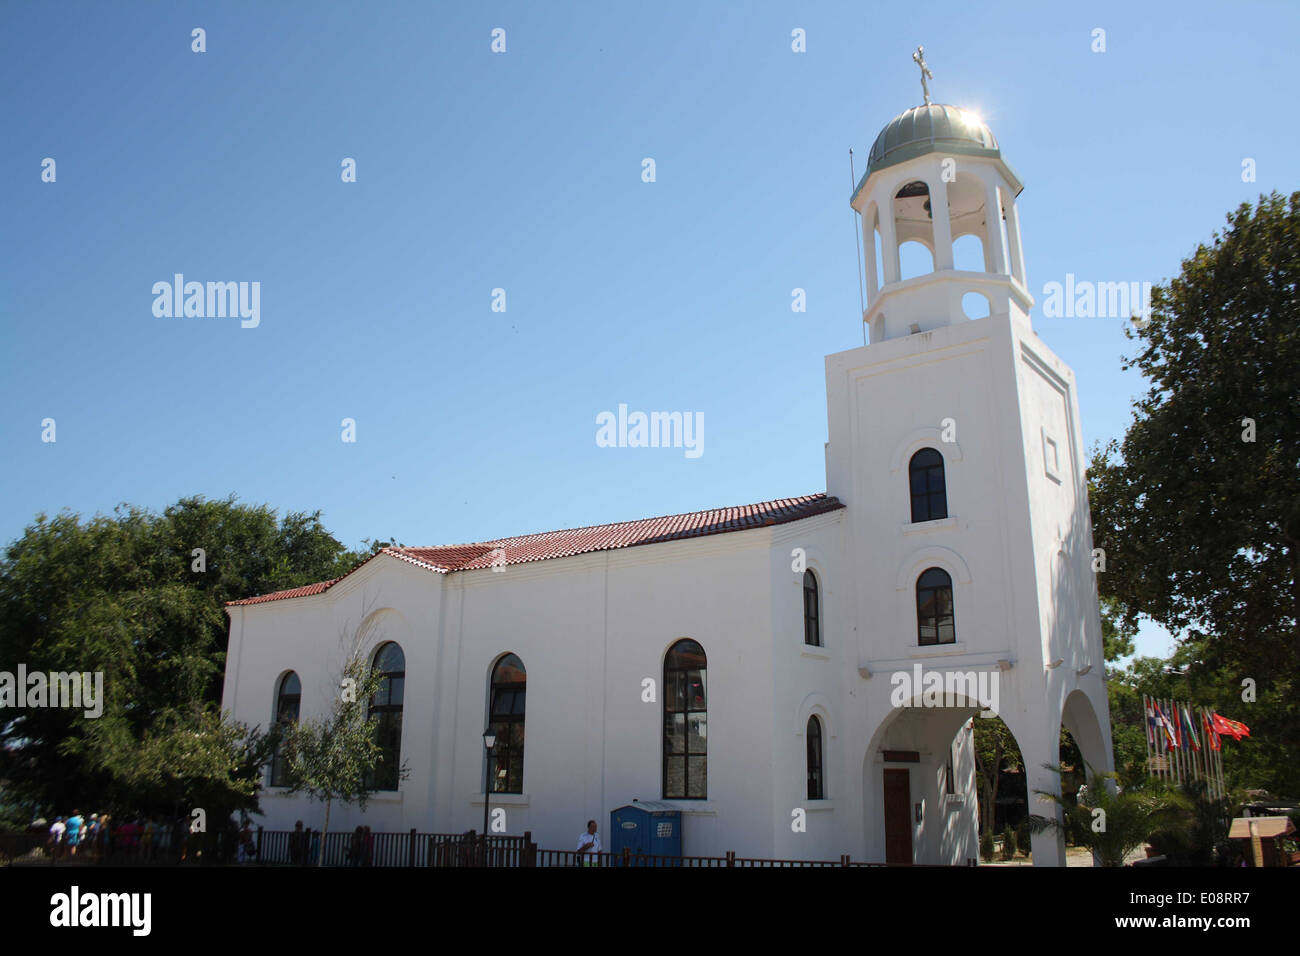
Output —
(506, 718)
(934, 618)
(816, 779)
(390, 662)
(812, 628)
(288, 700)
(685, 723)
(929, 494)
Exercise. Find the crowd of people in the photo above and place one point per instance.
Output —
(141, 838)
(158, 839)
(135, 837)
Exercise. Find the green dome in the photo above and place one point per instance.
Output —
(927, 129)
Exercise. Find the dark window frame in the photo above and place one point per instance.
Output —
(686, 656)
(927, 484)
(933, 594)
(812, 624)
(387, 776)
(816, 759)
(284, 703)
(507, 713)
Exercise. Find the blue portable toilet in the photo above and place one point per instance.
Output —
(650, 829)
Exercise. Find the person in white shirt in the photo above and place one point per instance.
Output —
(57, 830)
(589, 845)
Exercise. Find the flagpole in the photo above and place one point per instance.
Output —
(1185, 773)
(1167, 763)
(1161, 747)
(1155, 745)
(1171, 750)
(1202, 765)
(1146, 731)
(1178, 743)
(1184, 745)
(1209, 756)
(1218, 760)
(1205, 766)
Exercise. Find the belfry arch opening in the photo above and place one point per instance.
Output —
(968, 253)
(974, 217)
(914, 259)
(913, 228)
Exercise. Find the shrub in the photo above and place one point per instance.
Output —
(986, 846)
(1008, 843)
(1023, 840)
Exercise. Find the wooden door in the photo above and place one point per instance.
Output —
(898, 816)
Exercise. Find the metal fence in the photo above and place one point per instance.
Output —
(276, 847)
(120, 849)
(412, 848)
(362, 849)
(627, 858)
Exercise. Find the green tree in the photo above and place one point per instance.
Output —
(1008, 843)
(1127, 728)
(1198, 508)
(1023, 836)
(995, 750)
(1116, 634)
(191, 758)
(126, 595)
(332, 758)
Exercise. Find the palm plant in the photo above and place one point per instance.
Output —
(1205, 835)
(1110, 823)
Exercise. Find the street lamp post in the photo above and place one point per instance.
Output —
(489, 741)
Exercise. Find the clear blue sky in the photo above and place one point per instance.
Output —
(523, 171)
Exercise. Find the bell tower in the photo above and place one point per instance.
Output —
(954, 442)
(935, 174)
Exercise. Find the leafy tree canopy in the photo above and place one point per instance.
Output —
(1198, 507)
(127, 595)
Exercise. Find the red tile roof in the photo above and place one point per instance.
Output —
(305, 591)
(604, 537)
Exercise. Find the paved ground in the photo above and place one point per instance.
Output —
(1074, 856)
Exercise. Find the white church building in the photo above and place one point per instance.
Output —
(756, 666)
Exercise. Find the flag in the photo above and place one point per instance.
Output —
(1233, 728)
(1151, 725)
(1211, 738)
(1166, 726)
(1190, 725)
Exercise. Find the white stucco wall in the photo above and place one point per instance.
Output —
(589, 629)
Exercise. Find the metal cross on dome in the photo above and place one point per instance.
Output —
(919, 58)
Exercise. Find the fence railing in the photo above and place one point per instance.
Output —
(17, 846)
(412, 848)
(348, 849)
(284, 847)
(628, 858)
